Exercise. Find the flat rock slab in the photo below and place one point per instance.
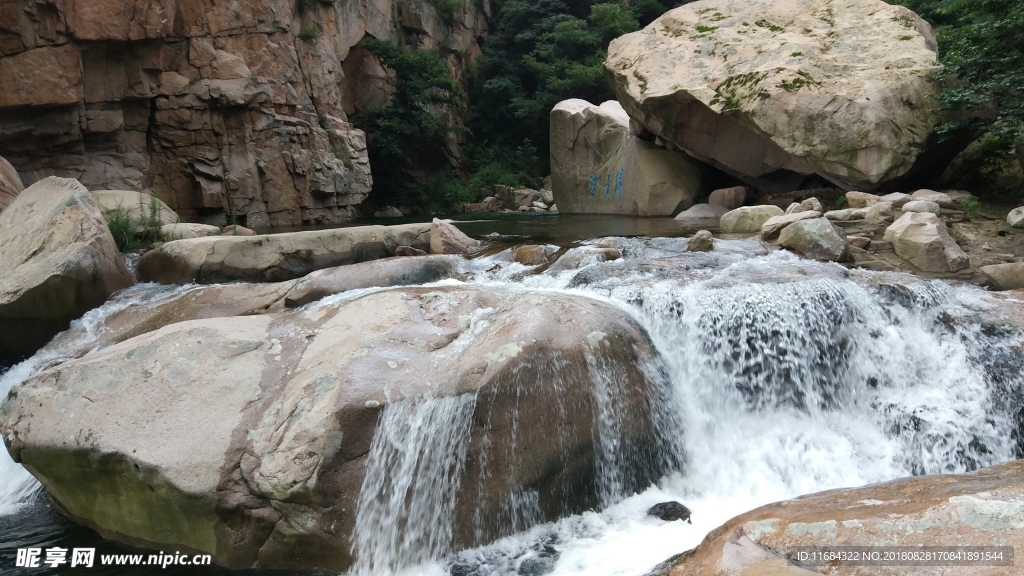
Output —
(275, 257)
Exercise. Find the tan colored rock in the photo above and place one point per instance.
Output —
(1008, 276)
(861, 242)
(921, 238)
(701, 216)
(748, 219)
(535, 254)
(881, 211)
(187, 230)
(248, 438)
(771, 229)
(59, 261)
(702, 241)
(445, 238)
(862, 199)
(140, 207)
(598, 167)
(769, 91)
(236, 230)
(44, 76)
(10, 183)
(729, 198)
(898, 199)
(583, 255)
(274, 257)
(817, 239)
(975, 509)
(922, 206)
(940, 198)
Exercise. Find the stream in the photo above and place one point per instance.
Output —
(783, 377)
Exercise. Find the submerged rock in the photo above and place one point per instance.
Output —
(274, 257)
(247, 438)
(773, 91)
(670, 511)
(598, 167)
(921, 238)
(58, 260)
(582, 255)
(977, 509)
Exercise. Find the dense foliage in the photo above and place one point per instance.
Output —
(981, 45)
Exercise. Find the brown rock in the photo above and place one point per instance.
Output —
(729, 198)
(702, 241)
(59, 261)
(582, 255)
(535, 254)
(445, 238)
(41, 77)
(949, 509)
(862, 199)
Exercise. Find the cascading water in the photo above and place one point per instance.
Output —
(782, 377)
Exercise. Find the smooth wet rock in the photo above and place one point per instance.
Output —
(817, 239)
(446, 238)
(882, 211)
(58, 261)
(729, 198)
(246, 437)
(583, 255)
(862, 199)
(274, 257)
(236, 230)
(748, 219)
(922, 239)
(774, 225)
(771, 91)
(702, 241)
(1008, 276)
(975, 509)
(701, 216)
(922, 206)
(598, 167)
(670, 512)
(535, 254)
(847, 214)
(1016, 217)
(898, 199)
(142, 208)
(10, 183)
(188, 230)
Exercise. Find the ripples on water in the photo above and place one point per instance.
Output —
(784, 377)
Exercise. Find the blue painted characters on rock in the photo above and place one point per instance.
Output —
(594, 185)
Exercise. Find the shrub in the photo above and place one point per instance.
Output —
(119, 221)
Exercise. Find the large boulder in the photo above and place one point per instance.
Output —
(771, 91)
(598, 167)
(145, 210)
(922, 239)
(748, 219)
(274, 257)
(816, 238)
(981, 508)
(58, 260)
(10, 183)
(445, 238)
(772, 227)
(252, 438)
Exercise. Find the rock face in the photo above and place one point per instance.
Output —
(215, 106)
(976, 509)
(817, 239)
(274, 257)
(249, 438)
(772, 91)
(598, 167)
(749, 218)
(10, 183)
(58, 259)
(921, 238)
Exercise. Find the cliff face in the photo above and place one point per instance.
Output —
(218, 106)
